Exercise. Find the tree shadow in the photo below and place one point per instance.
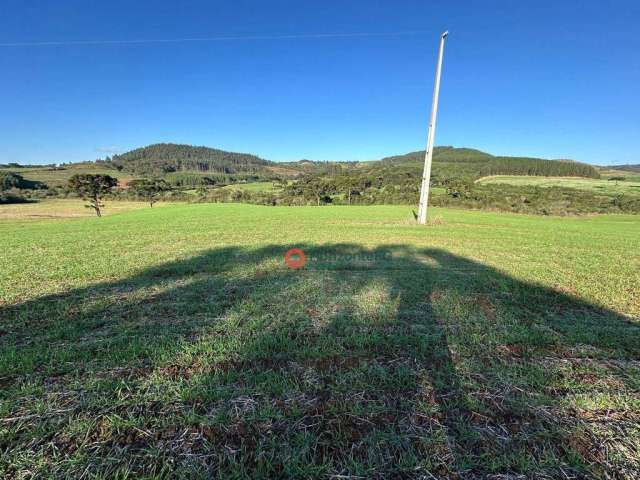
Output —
(384, 362)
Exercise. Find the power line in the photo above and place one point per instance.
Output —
(226, 38)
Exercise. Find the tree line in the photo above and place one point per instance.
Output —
(538, 167)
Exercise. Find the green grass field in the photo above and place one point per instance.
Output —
(175, 342)
(630, 186)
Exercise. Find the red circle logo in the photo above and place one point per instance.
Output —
(294, 258)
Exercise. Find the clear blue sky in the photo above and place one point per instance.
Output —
(553, 79)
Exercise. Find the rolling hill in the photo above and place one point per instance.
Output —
(168, 157)
(441, 154)
(181, 161)
(627, 168)
(473, 164)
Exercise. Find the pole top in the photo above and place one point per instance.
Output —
(446, 32)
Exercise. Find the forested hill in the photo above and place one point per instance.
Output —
(169, 157)
(442, 154)
(468, 163)
(475, 164)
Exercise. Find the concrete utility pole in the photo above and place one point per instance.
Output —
(426, 175)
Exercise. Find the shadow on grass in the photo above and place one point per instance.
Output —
(385, 362)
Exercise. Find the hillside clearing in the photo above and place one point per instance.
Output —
(175, 343)
(607, 187)
(58, 177)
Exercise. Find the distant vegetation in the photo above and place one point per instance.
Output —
(9, 180)
(194, 179)
(204, 174)
(538, 167)
(628, 168)
(14, 165)
(480, 164)
(189, 179)
(149, 189)
(9, 198)
(11, 184)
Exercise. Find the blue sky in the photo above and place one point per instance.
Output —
(552, 79)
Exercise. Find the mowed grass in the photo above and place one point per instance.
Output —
(176, 343)
(630, 186)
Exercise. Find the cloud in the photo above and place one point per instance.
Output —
(110, 150)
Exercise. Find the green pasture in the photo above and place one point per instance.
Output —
(175, 342)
